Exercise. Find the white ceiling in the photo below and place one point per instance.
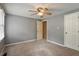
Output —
(21, 9)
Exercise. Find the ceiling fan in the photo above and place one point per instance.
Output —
(41, 11)
(45, 10)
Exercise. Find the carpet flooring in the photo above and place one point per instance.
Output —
(40, 48)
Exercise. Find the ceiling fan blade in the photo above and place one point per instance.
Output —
(31, 10)
(49, 13)
(55, 9)
(33, 14)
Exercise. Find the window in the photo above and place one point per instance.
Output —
(1, 24)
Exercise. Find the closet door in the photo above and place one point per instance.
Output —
(77, 33)
(71, 25)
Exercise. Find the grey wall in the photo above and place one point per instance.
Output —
(56, 29)
(19, 28)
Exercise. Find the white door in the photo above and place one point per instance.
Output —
(71, 25)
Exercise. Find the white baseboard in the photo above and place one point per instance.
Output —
(56, 43)
(61, 45)
(35, 39)
(20, 42)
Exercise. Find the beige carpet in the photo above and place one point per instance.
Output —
(39, 48)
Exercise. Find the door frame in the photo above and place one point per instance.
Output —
(46, 30)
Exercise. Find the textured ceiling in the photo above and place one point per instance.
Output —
(21, 9)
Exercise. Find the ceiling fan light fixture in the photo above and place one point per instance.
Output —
(40, 14)
(42, 11)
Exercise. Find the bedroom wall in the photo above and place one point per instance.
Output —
(22, 28)
(19, 28)
(56, 29)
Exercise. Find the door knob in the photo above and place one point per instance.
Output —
(65, 32)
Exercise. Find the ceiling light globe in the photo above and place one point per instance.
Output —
(40, 14)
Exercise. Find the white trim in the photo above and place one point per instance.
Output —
(53, 42)
(56, 43)
(34, 40)
(47, 29)
(20, 42)
(61, 45)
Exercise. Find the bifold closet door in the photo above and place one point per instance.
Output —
(71, 28)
